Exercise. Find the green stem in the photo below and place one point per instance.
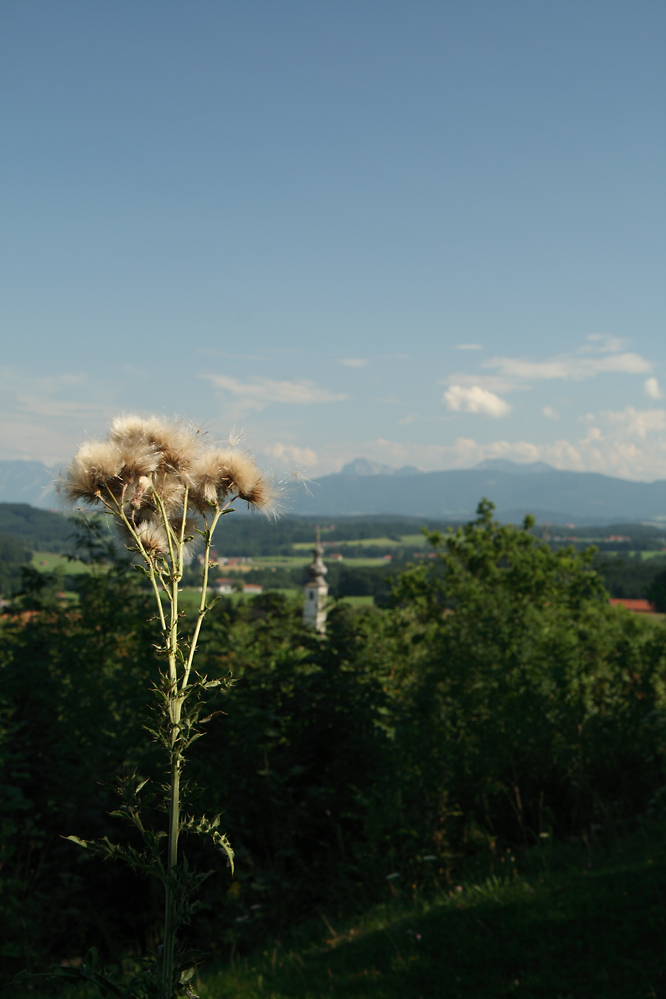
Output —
(202, 602)
(120, 513)
(171, 916)
(176, 553)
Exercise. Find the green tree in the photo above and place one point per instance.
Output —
(657, 592)
(522, 716)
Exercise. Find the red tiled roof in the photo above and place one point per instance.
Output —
(637, 606)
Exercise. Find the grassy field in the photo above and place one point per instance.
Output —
(578, 925)
(190, 597)
(50, 562)
(295, 561)
(576, 922)
(416, 540)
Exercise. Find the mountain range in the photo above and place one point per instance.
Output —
(364, 488)
(552, 496)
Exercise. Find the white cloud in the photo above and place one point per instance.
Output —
(570, 366)
(354, 362)
(468, 346)
(491, 382)
(551, 413)
(628, 443)
(475, 399)
(651, 388)
(604, 343)
(631, 422)
(289, 454)
(260, 392)
(409, 419)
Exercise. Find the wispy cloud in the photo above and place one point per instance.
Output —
(353, 362)
(290, 454)
(260, 392)
(651, 388)
(551, 413)
(468, 346)
(600, 354)
(475, 399)
(569, 366)
(604, 343)
(43, 417)
(639, 423)
(493, 383)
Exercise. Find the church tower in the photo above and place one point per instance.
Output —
(316, 592)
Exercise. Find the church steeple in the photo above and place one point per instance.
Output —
(316, 591)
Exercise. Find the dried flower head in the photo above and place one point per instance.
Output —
(171, 490)
(149, 463)
(96, 464)
(262, 496)
(173, 445)
(152, 538)
(207, 478)
(240, 473)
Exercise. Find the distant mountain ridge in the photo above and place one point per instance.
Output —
(27, 482)
(552, 496)
(514, 467)
(365, 488)
(362, 466)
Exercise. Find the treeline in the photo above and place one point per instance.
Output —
(624, 577)
(343, 580)
(24, 529)
(633, 577)
(497, 701)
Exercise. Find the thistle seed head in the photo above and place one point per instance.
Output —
(153, 538)
(171, 489)
(165, 444)
(148, 460)
(240, 474)
(263, 496)
(96, 464)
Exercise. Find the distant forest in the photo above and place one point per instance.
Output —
(25, 529)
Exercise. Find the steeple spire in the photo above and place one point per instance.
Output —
(316, 590)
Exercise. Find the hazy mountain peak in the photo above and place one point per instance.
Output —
(362, 466)
(26, 482)
(514, 467)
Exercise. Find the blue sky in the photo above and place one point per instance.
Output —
(423, 233)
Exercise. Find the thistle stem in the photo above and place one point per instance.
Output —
(202, 602)
(170, 918)
(175, 700)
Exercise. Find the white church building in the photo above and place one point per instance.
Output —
(316, 592)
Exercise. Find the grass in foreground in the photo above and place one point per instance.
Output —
(595, 929)
(568, 924)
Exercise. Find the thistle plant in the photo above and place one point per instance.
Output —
(164, 484)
